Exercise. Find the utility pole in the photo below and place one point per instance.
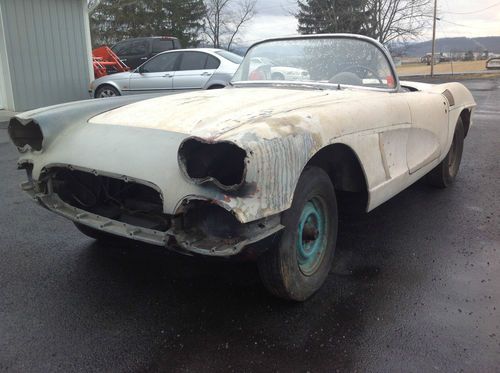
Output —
(433, 38)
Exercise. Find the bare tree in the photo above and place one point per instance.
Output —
(224, 19)
(391, 20)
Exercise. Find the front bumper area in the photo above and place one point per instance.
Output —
(175, 238)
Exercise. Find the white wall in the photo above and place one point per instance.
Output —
(6, 99)
(48, 51)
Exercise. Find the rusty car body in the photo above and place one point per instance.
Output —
(214, 172)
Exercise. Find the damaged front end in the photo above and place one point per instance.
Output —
(223, 163)
(132, 208)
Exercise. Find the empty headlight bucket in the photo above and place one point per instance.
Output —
(222, 163)
(23, 134)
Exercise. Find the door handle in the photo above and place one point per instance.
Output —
(167, 76)
(205, 74)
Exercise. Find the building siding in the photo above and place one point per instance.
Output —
(48, 51)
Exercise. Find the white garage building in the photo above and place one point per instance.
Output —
(45, 53)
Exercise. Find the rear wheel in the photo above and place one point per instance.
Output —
(298, 267)
(445, 173)
(107, 91)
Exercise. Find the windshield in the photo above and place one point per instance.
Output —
(234, 58)
(331, 60)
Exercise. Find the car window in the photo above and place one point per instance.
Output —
(162, 45)
(138, 47)
(160, 63)
(193, 61)
(121, 48)
(234, 58)
(212, 63)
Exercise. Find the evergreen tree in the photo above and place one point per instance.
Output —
(331, 16)
(186, 20)
(115, 20)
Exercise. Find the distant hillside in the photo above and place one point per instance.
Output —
(490, 43)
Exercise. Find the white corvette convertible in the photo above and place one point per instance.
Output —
(259, 169)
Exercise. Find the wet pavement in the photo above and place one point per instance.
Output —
(415, 288)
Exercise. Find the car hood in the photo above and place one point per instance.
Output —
(217, 112)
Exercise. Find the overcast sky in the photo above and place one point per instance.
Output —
(274, 19)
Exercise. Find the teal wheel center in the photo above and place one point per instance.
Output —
(311, 237)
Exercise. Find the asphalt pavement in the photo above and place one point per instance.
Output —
(415, 288)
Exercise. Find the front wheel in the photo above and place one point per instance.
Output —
(300, 264)
(107, 91)
(445, 173)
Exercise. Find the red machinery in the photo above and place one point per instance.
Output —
(106, 61)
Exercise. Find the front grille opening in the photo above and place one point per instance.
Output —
(127, 202)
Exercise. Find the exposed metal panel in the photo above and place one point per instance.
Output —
(48, 51)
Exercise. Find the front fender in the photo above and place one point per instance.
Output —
(54, 120)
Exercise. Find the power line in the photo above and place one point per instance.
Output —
(475, 11)
(461, 25)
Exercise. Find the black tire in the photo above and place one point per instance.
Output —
(216, 86)
(445, 173)
(97, 234)
(284, 271)
(105, 91)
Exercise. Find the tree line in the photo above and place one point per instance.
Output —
(384, 20)
(218, 23)
(212, 22)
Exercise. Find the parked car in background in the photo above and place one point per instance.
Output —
(182, 69)
(134, 52)
(427, 58)
(279, 72)
(493, 63)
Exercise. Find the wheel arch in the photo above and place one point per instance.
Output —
(465, 115)
(103, 84)
(347, 175)
(278, 73)
(216, 86)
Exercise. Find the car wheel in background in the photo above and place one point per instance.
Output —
(445, 173)
(106, 91)
(300, 264)
(277, 76)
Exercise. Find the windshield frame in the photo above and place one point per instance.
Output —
(246, 63)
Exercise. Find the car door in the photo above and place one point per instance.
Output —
(155, 75)
(135, 52)
(195, 69)
(429, 129)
